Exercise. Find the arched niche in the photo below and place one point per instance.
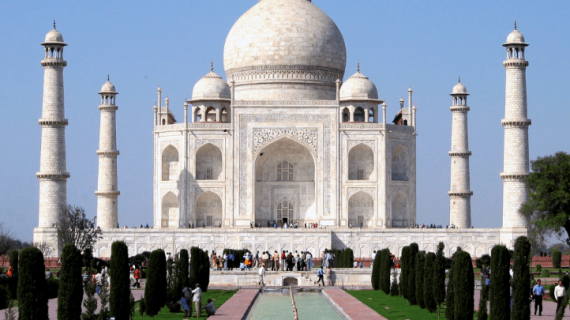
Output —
(170, 164)
(345, 115)
(400, 164)
(359, 114)
(360, 209)
(273, 164)
(208, 210)
(169, 217)
(210, 114)
(360, 163)
(208, 162)
(400, 211)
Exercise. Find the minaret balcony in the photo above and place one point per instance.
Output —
(53, 122)
(53, 175)
(54, 62)
(516, 123)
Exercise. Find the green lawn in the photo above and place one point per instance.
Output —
(393, 307)
(219, 297)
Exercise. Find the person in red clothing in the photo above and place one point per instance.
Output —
(137, 278)
(9, 273)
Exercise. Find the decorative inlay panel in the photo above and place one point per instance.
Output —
(164, 144)
(354, 143)
(370, 191)
(263, 136)
(217, 142)
(199, 190)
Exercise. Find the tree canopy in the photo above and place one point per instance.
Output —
(75, 228)
(548, 205)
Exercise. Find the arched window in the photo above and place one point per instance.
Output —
(197, 115)
(345, 115)
(284, 171)
(405, 122)
(359, 115)
(208, 162)
(284, 212)
(371, 115)
(224, 116)
(170, 164)
(360, 163)
(210, 114)
(163, 122)
(399, 164)
(169, 217)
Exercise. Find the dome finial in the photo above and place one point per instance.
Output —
(54, 24)
(358, 66)
(212, 65)
(459, 79)
(107, 77)
(515, 24)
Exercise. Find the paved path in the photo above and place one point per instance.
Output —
(351, 307)
(237, 306)
(548, 312)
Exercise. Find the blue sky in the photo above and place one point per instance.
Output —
(427, 44)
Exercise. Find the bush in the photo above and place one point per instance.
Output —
(348, 258)
(420, 275)
(500, 288)
(155, 289)
(70, 291)
(121, 281)
(32, 285)
(52, 288)
(464, 285)
(4, 297)
(545, 273)
(521, 303)
(538, 268)
(394, 292)
(556, 258)
(429, 282)
(13, 289)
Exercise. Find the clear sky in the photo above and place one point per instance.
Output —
(427, 44)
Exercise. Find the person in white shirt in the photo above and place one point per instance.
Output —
(309, 258)
(559, 293)
(261, 274)
(197, 298)
(373, 255)
(210, 308)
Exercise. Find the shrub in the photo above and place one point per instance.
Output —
(52, 288)
(404, 265)
(184, 268)
(348, 258)
(438, 285)
(155, 289)
(386, 267)
(500, 288)
(90, 302)
(538, 268)
(430, 266)
(420, 268)
(32, 286)
(375, 277)
(121, 282)
(13, 289)
(521, 303)
(394, 289)
(4, 297)
(464, 286)
(70, 291)
(545, 273)
(195, 261)
(556, 258)
(412, 274)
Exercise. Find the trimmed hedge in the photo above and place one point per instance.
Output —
(375, 277)
(412, 274)
(500, 288)
(429, 282)
(463, 281)
(70, 291)
(438, 286)
(420, 275)
(405, 266)
(121, 281)
(52, 288)
(155, 289)
(556, 258)
(4, 297)
(184, 280)
(32, 285)
(521, 278)
(385, 268)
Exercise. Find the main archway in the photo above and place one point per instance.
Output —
(285, 184)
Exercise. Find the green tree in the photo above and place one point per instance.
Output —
(560, 313)
(482, 313)
(13, 281)
(548, 204)
(429, 281)
(155, 288)
(420, 268)
(449, 298)
(104, 297)
(195, 262)
(521, 279)
(88, 259)
(438, 286)
(376, 271)
(348, 258)
(70, 293)
(184, 280)
(32, 286)
(412, 274)
(121, 288)
(386, 267)
(90, 302)
(404, 265)
(464, 286)
(500, 288)
(205, 272)
(556, 258)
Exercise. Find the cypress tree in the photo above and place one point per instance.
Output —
(184, 280)
(155, 288)
(556, 258)
(349, 258)
(386, 264)
(449, 298)
(404, 265)
(412, 274)
(482, 314)
(463, 280)
(88, 259)
(195, 258)
(13, 284)
(376, 269)
(521, 278)
(32, 286)
(120, 289)
(90, 302)
(500, 288)
(429, 281)
(420, 267)
(438, 285)
(205, 274)
(70, 293)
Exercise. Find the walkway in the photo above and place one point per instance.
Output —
(237, 306)
(351, 307)
(548, 312)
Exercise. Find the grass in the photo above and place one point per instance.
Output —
(218, 296)
(394, 307)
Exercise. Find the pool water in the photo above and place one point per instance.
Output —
(277, 305)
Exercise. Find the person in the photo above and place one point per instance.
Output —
(537, 293)
(355, 264)
(265, 259)
(276, 261)
(137, 278)
(220, 263)
(187, 296)
(559, 293)
(323, 259)
(197, 299)
(283, 260)
(361, 265)
(231, 259)
(309, 261)
(210, 308)
(225, 258)
(373, 255)
(48, 274)
(289, 261)
(9, 273)
(98, 283)
(298, 263)
(85, 277)
(328, 275)
(256, 259)
(511, 272)
(261, 274)
(320, 275)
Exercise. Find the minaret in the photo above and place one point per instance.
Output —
(107, 190)
(460, 194)
(516, 159)
(53, 174)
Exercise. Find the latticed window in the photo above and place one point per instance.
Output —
(360, 220)
(209, 174)
(284, 171)
(285, 211)
(208, 221)
(360, 174)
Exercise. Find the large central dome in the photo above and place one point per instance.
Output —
(285, 50)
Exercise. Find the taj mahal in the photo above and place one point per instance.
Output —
(286, 138)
